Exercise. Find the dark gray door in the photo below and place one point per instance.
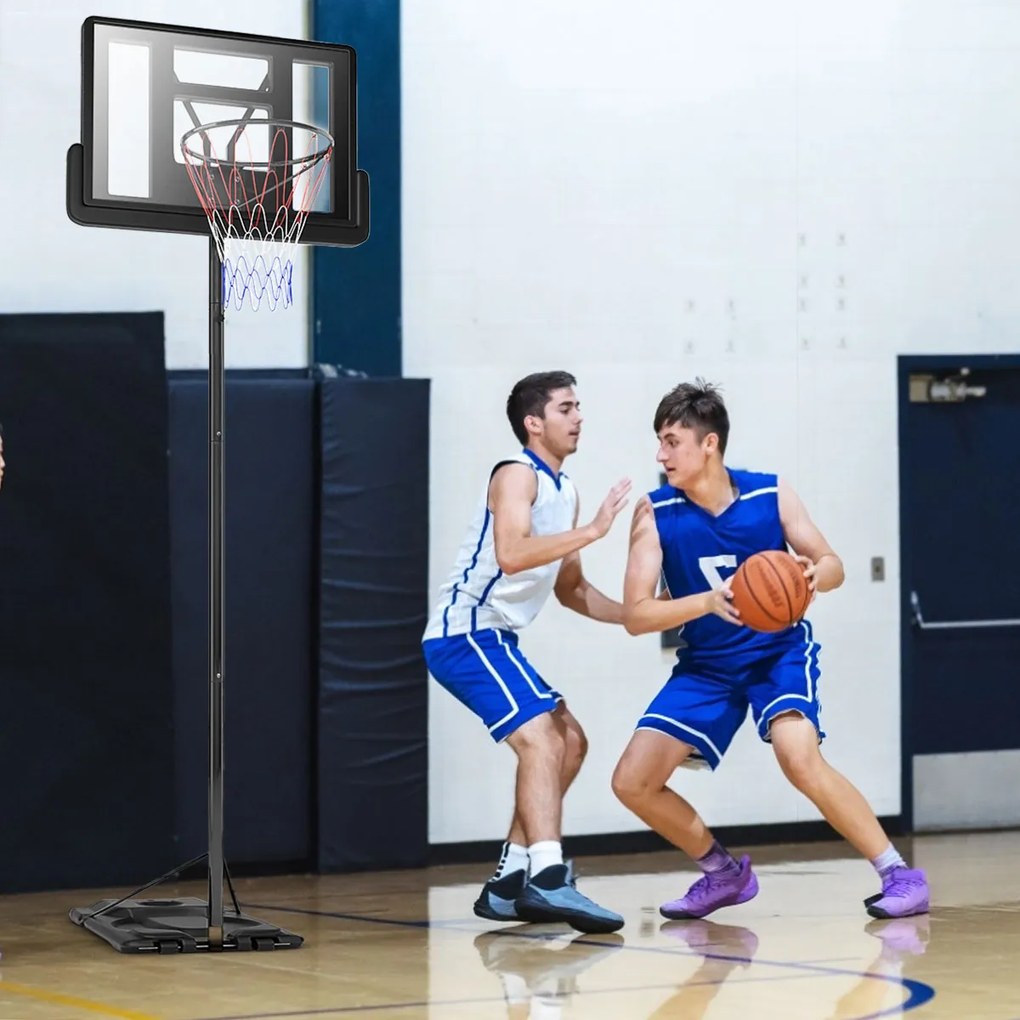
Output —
(960, 550)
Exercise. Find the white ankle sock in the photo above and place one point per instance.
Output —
(513, 858)
(887, 859)
(545, 854)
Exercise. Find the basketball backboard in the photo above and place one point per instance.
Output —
(145, 85)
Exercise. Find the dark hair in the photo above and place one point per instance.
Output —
(530, 395)
(697, 405)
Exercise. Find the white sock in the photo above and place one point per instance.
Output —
(887, 859)
(513, 858)
(544, 855)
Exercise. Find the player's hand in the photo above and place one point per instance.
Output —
(720, 602)
(611, 506)
(810, 569)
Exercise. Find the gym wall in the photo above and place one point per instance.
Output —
(781, 198)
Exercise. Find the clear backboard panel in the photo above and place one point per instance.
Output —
(145, 85)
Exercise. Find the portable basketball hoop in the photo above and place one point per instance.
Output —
(257, 180)
(251, 142)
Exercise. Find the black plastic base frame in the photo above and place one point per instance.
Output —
(176, 926)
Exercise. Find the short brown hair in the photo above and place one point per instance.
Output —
(697, 405)
(529, 397)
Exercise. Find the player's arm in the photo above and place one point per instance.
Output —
(575, 591)
(644, 612)
(822, 567)
(512, 490)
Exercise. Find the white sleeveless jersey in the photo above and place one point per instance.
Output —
(477, 595)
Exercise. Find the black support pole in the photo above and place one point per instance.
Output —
(216, 585)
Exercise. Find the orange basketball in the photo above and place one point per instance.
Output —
(770, 591)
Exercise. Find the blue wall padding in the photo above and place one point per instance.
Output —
(86, 740)
(269, 676)
(373, 597)
(104, 595)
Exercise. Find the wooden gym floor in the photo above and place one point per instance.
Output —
(405, 945)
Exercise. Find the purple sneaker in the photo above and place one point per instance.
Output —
(714, 890)
(904, 893)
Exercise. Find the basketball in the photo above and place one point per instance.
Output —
(770, 591)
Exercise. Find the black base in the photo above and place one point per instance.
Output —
(176, 926)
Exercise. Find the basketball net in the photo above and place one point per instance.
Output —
(257, 180)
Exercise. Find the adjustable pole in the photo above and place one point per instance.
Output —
(216, 588)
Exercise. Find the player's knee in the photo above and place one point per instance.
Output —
(539, 738)
(801, 764)
(630, 784)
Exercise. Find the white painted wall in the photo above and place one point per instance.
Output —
(781, 197)
(49, 264)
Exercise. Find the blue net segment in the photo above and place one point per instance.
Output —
(248, 281)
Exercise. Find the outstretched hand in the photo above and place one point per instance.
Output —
(611, 506)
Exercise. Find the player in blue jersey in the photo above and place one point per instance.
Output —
(693, 533)
(522, 545)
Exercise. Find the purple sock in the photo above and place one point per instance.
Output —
(717, 860)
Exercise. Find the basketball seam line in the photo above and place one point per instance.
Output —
(750, 591)
(782, 588)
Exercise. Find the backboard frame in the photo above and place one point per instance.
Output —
(345, 224)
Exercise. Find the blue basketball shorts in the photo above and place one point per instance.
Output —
(486, 671)
(704, 703)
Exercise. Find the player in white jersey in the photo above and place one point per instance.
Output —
(522, 545)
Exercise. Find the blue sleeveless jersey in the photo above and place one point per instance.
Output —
(700, 551)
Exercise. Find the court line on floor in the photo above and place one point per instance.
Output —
(918, 993)
(86, 1005)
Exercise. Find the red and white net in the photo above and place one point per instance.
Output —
(257, 180)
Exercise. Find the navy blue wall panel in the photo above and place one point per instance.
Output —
(356, 296)
(86, 742)
(373, 693)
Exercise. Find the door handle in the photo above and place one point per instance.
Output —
(920, 622)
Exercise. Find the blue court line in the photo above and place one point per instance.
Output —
(918, 993)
